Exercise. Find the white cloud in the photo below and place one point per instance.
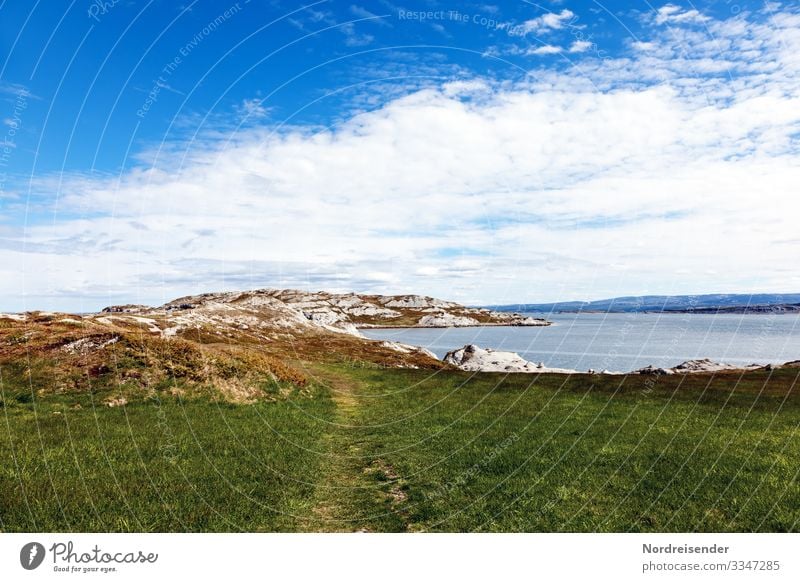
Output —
(252, 109)
(463, 87)
(545, 49)
(671, 170)
(643, 46)
(580, 46)
(546, 22)
(672, 14)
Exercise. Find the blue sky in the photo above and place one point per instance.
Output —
(482, 152)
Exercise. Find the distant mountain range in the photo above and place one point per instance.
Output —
(713, 303)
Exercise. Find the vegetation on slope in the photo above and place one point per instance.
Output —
(57, 355)
(124, 359)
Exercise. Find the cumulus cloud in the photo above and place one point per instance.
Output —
(672, 14)
(580, 46)
(545, 49)
(656, 172)
(643, 46)
(546, 22)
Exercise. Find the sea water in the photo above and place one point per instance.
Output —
(624, 341)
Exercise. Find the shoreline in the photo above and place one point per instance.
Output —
(549, 314)
(548, 324)
(473, 358)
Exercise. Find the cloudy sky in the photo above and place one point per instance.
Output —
(487, 153)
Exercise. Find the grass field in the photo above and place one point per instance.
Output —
(366, 449)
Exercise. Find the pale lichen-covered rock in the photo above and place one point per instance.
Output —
(407, 348)
(706, 365)
(446, 320)
(297, 311)
(418, 302)
(505, 318)
(370, 310)
(14, 316)
(699, 366)
(472, 358)
(86, 345)
(129, 308)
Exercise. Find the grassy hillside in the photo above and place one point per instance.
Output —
(363, 448)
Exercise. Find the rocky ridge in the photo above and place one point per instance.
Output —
(345, 312)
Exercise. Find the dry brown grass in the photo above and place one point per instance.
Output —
(66, 357)
(70, 354)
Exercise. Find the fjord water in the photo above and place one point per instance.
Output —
(624, 341)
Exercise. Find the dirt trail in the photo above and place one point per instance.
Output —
(351, 495)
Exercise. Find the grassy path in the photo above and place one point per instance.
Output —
(552, 453)
(356, 490)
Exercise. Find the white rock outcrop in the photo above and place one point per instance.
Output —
(706, 365)
(408, 349)
(699, 366)
(14, 316)
(446, 320)
(88, 344)
(476, 359)
(418, 302)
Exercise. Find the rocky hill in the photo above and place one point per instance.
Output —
(230, 345)
(341, 312)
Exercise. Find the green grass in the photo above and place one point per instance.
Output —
(407, 450)
(515, 453)
(165, 465)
